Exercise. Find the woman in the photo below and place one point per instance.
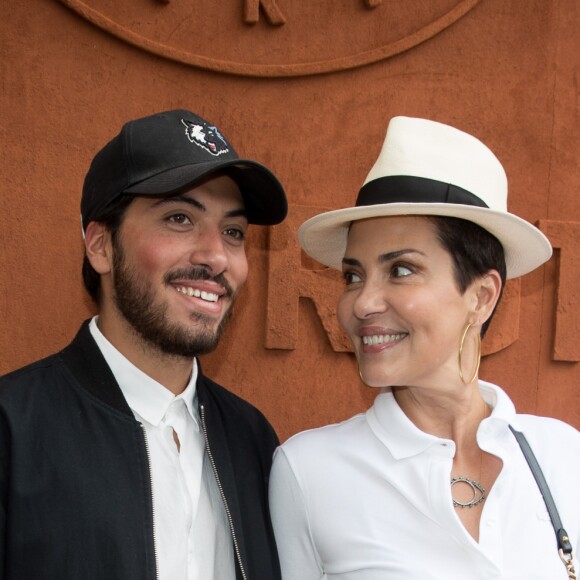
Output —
(430, 483)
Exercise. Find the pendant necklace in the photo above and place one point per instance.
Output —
(476, 487)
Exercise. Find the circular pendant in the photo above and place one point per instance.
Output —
(476, 487)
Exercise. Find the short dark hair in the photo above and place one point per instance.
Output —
(474, 252)
(111, 218)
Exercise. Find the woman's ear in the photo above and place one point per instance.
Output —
(487, 293)
(98, 247)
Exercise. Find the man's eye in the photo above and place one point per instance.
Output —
(235, 233)
(179, 218)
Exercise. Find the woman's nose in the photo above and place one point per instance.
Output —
(371, 300)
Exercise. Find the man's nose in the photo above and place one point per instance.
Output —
(209, 251)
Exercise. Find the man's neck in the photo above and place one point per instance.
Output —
(171, 371)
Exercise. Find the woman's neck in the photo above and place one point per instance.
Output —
(454, 415)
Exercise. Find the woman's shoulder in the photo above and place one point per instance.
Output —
(546, 425)
(549, 437)
(319, 456)
(535, 427)
(326, 437)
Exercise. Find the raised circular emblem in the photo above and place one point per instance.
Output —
(273, 38)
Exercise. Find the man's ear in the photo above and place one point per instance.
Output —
(487, 290)
(98, 247)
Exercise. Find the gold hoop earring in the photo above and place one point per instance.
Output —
(461, 353)
(361, 377)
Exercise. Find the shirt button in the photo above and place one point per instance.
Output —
(490, 522)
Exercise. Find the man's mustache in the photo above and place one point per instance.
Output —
(199, 273)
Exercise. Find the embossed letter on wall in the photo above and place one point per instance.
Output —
(288, 281)
(564, 237)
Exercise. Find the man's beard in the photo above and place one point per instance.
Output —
(135, 300)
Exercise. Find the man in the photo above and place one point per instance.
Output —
(119, 459)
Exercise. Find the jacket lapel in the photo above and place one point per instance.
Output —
(85, 361)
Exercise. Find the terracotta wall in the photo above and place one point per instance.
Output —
(307, 87)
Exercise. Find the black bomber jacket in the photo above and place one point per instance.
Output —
(75, 491)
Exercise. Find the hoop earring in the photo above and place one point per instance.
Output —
(461, 353)
(361, 377)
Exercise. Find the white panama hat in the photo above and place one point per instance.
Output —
(428, 168)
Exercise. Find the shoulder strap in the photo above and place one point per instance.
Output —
(564, 545)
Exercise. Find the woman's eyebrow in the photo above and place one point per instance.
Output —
(389, 256)
(383, 258)
(350, 262)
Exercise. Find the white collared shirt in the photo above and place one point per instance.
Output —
(191, 531)
(369, 499)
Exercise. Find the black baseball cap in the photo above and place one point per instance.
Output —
(169, 152)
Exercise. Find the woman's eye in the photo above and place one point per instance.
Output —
(400, 271)
(351, 278)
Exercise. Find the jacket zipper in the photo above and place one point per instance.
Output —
(148, 453)
(223, 495)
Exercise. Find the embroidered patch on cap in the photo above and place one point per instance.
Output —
(206, 136)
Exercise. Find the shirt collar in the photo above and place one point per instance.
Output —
(146, 397)
(503, 412)
(403, 439)
(395, 429)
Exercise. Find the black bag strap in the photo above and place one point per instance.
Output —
(564, 546)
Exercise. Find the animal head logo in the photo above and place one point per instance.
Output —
(206, 136)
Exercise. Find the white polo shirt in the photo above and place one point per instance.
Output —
(191, 531)
(369, 499)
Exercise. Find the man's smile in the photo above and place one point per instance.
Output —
(196, 293)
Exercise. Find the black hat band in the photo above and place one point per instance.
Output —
(412, 189)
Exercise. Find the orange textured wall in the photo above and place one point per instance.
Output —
(308, 88)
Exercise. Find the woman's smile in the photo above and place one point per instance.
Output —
(378, 339)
